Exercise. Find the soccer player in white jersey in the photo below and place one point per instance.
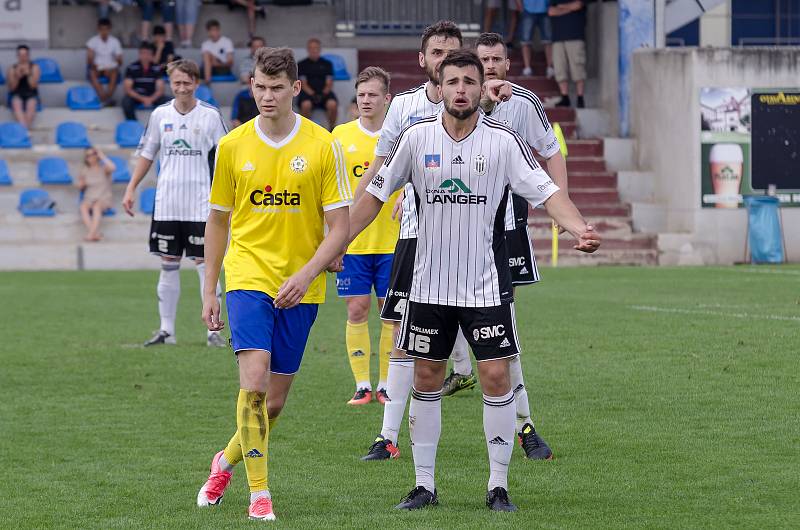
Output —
(461, 278)
(525, 114)
(184, 134)
(406, 108)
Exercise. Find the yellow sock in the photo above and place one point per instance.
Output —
(386, 344)
(358, 350)
(233, 451)
(251, 420)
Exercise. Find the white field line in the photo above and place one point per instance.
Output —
(759, 271)
(683, 311)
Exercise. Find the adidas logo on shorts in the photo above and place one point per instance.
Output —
(523, 270)
(505, 343)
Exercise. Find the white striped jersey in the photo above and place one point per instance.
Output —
(406, 108)
(525, 114)
(461, 194)
(184, 144)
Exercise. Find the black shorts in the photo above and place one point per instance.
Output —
(429, 331)
(394, 306)
(174, 238)
(520, 256)
(317, 105)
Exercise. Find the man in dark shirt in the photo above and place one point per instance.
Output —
(165, 50)
(316, 75)
(244, 107)
(144, 84)
(568, 23)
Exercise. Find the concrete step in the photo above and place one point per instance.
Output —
(568, 257)
(102, 255)
(67, 228)
(594, 197)
(608, 227)
(579, 148)
(632, 242)
(561, 114)
(592, 180)
(577, 164)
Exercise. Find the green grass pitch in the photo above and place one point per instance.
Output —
(669, 396)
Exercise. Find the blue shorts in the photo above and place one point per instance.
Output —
(531, 21)
(257, 325)
(362, 272)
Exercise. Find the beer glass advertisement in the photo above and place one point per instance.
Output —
(726, 129)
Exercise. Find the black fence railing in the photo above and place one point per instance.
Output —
(409, 17)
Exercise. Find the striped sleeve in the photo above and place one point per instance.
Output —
(527, 179)
(336, 191)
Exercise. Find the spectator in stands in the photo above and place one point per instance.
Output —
(353, 111)
(144, 83)
(165, 51)
(253, 10)
(568, 21)
(186, 17)
(534, 15)
(217, 52)
(148, 8)
(246, 66)
(244, 107)
(95, 183)
(316, 75)
(23, 86)
(104, 7)
(489, 13)
(104, 55)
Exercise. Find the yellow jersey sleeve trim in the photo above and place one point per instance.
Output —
(220, 207)
(342, 180)
(334, 206)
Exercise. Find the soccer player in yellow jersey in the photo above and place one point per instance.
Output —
(368, 262)
(278, 180)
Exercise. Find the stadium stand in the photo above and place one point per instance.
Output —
(51, 72)
(53, 170)
(14, 136)
(2, 77)
(122, 173)
(223, 78)
(204, 93)
(38, 102)
(36, 203)
(71, 135)
(128, 133)
(83, 97)
(5, 176)
(340, 72)
(147, 201)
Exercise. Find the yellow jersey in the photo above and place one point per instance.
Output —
(359, 144)
(277, 193)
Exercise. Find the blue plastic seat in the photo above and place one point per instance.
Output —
(245, 93)
(53, 170)
(2, 79)
(14, 136)
(128, 133)
(147, 201)
(51, 72)
(204, 94)
(83, 97)
(71, 135)
(36, 203)
(224, 78)
(122, 173)
(340, 72)
(5, 176)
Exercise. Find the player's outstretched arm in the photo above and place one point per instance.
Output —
(294, 289)
(216, 239)
(366, 178)
(561, 208)
(557, 169)
(139, 172)
(363, 213)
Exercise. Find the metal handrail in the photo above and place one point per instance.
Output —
(410, 17)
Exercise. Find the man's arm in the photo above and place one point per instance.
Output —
(306, 87)
(564, 212)
(557, 169)
(36, 74)
(293, 290)
(216, 240)
(365, 210)
(328, 85)
(89, 56)
(159, 90)
(366, 178)
(127, 85)
(139, 171)
(13, 79)
(229, 59)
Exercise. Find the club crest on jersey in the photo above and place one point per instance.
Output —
(433, 161)
(298, 164)
(479, 163)
(167, 127)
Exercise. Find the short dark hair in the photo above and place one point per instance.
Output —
(147, 46)
(104, 22)
(213, 23)
(373, 72)
(159, 30)
(313, 39)
(23, 47)
(255, 38)
(186, 66)
(443, 28)
(460, 58)
(274, 61)
(489, 39)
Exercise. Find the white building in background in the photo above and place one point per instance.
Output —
(729, 116)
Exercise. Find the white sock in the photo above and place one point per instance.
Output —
(364, 384)
(498, 426)
(461, 361)
(425, 427)
(169, 291)
(520, 393)
(258, 494)
(382, 385)
(201, 273)
(398, 385)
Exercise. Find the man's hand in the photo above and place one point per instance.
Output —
(211, 312)
(589, 241)
(497, 90)
(127, 202)
(293, 290)
(397, 209)
(337, 265)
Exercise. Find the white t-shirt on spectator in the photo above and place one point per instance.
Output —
(105, 51)
(219, 49)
